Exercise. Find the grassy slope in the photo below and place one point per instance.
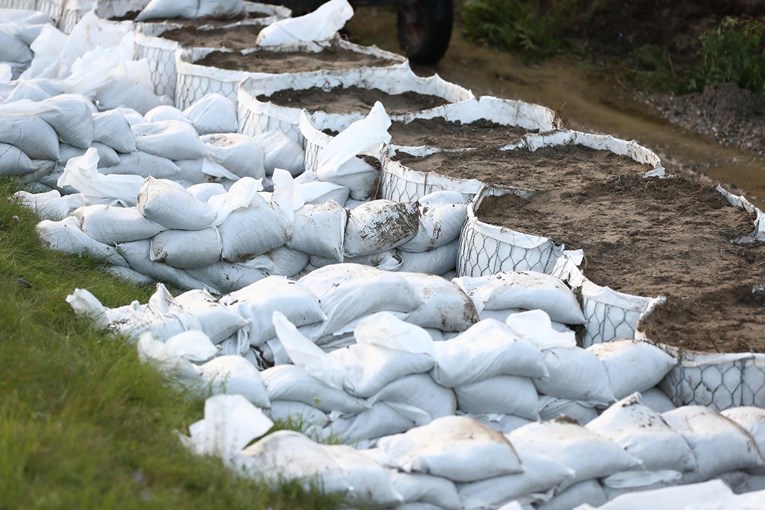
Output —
(82, 423)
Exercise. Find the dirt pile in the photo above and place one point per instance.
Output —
(438, 132)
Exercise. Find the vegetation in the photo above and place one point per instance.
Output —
(732, 52)
(83, 424)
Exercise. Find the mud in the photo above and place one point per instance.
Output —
(331, 58)
(438, 132)
(236, 38)
(352, 99)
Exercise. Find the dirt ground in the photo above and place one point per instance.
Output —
(438, 132)
(352, 99)
(239, 37)
(332, 58)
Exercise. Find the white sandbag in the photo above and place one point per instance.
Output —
(445, 306)
(65, 236)
(503, 394)
(191, 345)
(454, 447)
(379, 226)
(107, 157)
(657, 400)
(168, 203)
(71, 116)
(308, 419)
(237, 153)
(349, 291)
(81, 173)
(551, 408)
(319, 230)
(130, 276)
(235, 375)
(13, 49)
(253, 231)
(589, 492)
(145, 165)
(187, 249)
(418, 488)
(227, 276)
(217, 321)
(137, 254)
(164, 112)
(751, 419)
(170, 139)
(35, 137)
(442, 215)
(13, 161)
(317, 192)
(503, 423)
(319, 25)
(540, 475)
(526, 289)
(485, 350)
(437, 261)
(206, 190)
(386, 261)
(575, 374)
(719, 443)
(180, 371)
(420, 392)
(112, 128)
(257, 302)
(380, 420)
(293, 383)
(633, 365)
(279, 151)
(130, 94)
(281, 261)
(191, 9)
(369, 367)
(536, 327)
(587, 454)
(214, 113)
(112, 225)
(646, 436)
(50, 205)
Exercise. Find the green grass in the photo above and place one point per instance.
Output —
(83, 424)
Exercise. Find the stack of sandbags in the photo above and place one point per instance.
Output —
(18, 30)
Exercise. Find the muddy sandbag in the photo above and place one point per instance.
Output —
(170, 139)
(378, 226)
(13, 161)
(187, 249)
(145, 165)
(719, 444)
(445, 306)
(751, 419)
(643, 434)
(112, 225)
(292, 382)
(320, 230)
(168, 203)
(32, 135)
(575, 374)
(258, 301)
(587, 454)
(487, 349)
(137, 254)
(65, 236)
(214, 113)
(502, 394)
(112, 128)
(442, 215)
(237, 153)
(633, 365)
(455, 447)
(280, 151)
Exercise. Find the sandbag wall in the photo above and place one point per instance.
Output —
(351, 378)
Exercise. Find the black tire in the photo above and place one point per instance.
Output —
(424, 29)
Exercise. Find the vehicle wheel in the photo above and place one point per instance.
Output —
(424, 29)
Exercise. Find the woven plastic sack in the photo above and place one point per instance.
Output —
(437, 261)
(187, 249)
(237, 153)
(169, 204)
(575, 374)
(320, 230)
(280, 151)
(65, 236)
(445, 306)
(81, 173)
(293, 383)
(235, 375)
(502, 394)
(214, 113)
(379, 226)
(171, 139)
(442, 215)
(138, 253)
(319, 25)
(190, 9)
(32, 135)
(111, 225)
(144, 164)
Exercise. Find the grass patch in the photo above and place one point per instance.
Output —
(83, 424)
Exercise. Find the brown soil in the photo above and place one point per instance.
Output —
(352, 99)
(236, 38)
(438, 132)
(329, 59)
(548, 168)
(653, 237)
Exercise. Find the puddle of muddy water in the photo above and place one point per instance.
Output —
(587, 102)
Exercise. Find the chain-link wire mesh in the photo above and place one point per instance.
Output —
(71, 15)
(29, 5)
(253, 122)
(191, 88)
(161, 61)
(405, 185)
(53, 8)
(719, 381)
